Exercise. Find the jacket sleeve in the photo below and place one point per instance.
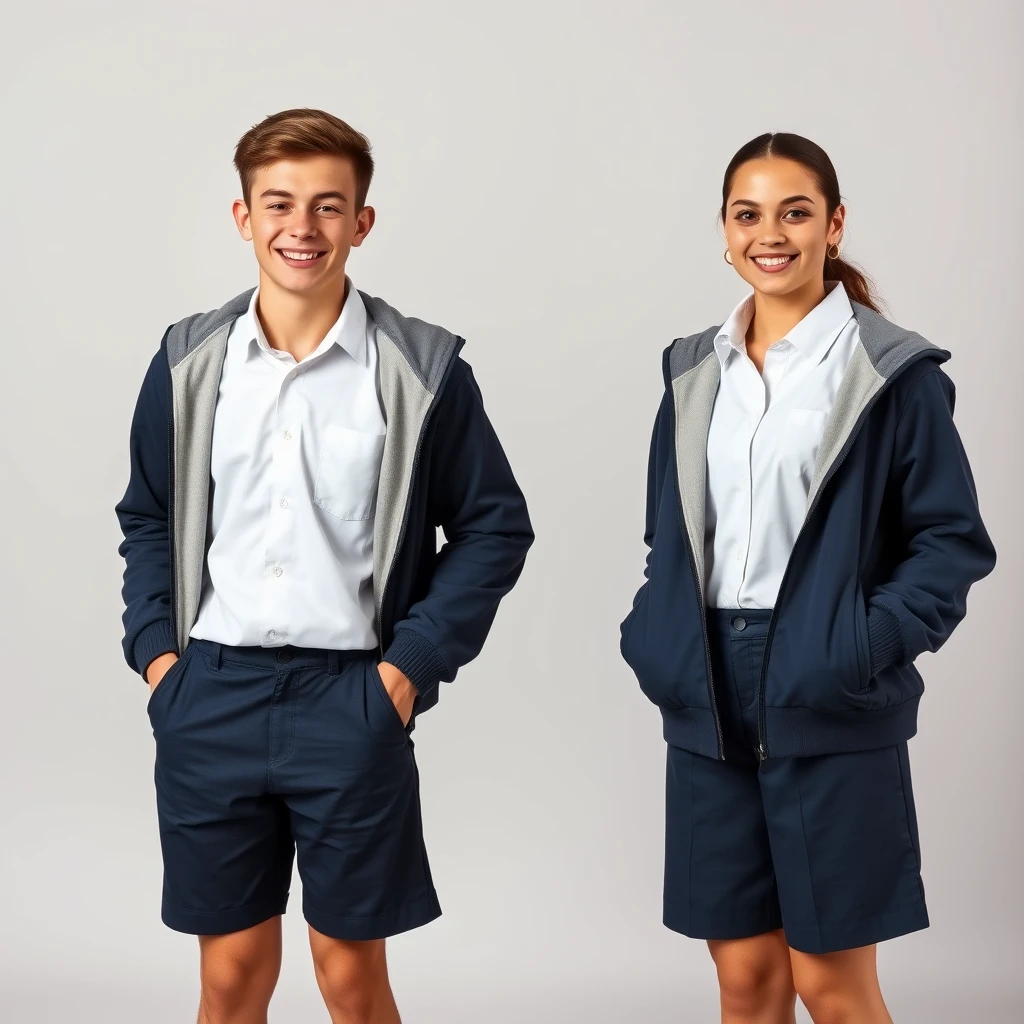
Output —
(487, 534)
(947, 548)
(143, 517)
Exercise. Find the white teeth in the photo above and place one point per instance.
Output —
(299, 255)
(772, 261)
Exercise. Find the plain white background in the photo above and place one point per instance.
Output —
(549, 175)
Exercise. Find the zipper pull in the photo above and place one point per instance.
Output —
(762, 751)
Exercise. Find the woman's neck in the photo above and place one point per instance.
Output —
(776, 315)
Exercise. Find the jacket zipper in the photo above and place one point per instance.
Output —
(170, 500)
(700, 601)
(408, 497)
(762, 738)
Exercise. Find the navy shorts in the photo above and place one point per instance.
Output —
(824, 847)
(265, 753)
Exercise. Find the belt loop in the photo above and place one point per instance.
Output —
(333, 663)
(216, 653)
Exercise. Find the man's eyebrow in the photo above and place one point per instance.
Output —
(788, 199)
(283, 194)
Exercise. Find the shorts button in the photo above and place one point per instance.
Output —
(284, 656)
(740, 623)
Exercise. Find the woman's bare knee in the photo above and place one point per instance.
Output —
(754, 976)
(840, 987)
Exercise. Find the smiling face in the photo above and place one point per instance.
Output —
(778, 227)
(302, 222)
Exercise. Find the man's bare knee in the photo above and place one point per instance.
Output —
(238, 972)
(353, 979)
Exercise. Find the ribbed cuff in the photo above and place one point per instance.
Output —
(417, 659)
(154, 640)
(885, 639)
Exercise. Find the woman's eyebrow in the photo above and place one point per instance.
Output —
(788, 199)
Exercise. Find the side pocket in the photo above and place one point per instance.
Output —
(860, 625)
(168, 680)
(382, 693)
(627, 624)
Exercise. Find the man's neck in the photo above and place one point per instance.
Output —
(297, 322)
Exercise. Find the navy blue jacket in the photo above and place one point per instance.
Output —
(879, 573)
(444, 468)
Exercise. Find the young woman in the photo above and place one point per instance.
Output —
(813, 527)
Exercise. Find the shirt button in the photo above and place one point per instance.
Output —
(278, 570)
(271, 634)
(283, 503)
(287, 435)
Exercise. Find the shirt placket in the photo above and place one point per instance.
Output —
(753, 400)
(776, 360)
(285, 470)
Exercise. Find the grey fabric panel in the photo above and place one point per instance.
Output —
(887, 345)
(884, 348)
(426, 348)
(686, 353)
(188, 334)
(195, 383)
(406, 402)
(860, 383)
(694, 396)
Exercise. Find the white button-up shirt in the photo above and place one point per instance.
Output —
(296, 455)
(763, 439)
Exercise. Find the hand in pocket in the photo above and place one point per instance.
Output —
(158, 668)
(399, 689)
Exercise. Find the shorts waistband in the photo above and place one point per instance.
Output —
(287, 654)
(739, 623)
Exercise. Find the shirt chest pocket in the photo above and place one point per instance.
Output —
(348, 472)
(800, 440)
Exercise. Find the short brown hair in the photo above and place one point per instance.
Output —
(303, 131)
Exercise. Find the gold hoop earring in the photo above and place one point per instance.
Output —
(828, 251)
(725, 256)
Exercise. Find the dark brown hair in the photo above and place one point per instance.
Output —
(303, 131)
(795, 147)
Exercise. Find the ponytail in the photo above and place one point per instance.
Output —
(857, 284)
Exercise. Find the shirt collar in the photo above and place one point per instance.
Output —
(347, 332)
(811, 337)
(733, 334)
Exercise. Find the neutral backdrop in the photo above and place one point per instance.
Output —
(549, 175)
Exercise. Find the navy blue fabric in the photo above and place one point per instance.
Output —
(439, 605)
(879, 574)
(265, 752)
(824, 847)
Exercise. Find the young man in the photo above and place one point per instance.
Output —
(291, 456)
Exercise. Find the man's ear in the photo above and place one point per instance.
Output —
(240, 212)
(365, 220)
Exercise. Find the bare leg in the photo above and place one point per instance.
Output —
(755, 979)
(238, 973)
(840, 988)
(353, 979)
